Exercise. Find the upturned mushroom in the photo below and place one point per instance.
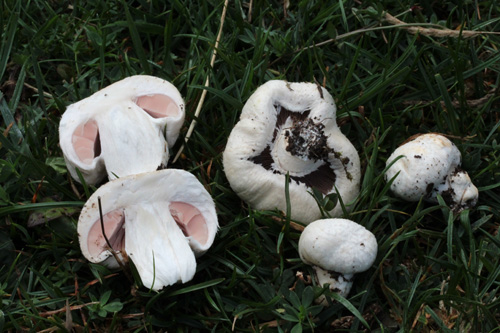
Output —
(337, 249)
(123, 129)
(428, 165)
(161, 220)
(290, 128)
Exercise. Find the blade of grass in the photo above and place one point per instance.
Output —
(136, 39)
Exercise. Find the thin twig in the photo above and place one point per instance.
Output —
(441, 32)
(438, 31)
(471, 103)
(102, 224)
(64, 309)
(113, 252)
(207, 82)
(250, 5)
(35, 89)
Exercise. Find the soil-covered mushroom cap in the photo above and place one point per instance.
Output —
(123, 129)
(290, 128)
(161, 220)
(429, 164)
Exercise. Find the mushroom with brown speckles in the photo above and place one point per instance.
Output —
(430, 165)
(337, 249)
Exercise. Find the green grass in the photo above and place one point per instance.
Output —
(435, 271)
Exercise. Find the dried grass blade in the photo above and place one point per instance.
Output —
(432, 32)
(207, 82)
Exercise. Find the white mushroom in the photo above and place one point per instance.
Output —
(430, 165)
(337, 249)
(161, 220)
(290, 128)
(123, 129)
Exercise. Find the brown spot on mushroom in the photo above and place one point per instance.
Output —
(336, 275)
(448, 197)
(319, 88)
(307, 139)
(265, 159)
(429, 188)
(282, 114)
(323, 178)
(314, 149)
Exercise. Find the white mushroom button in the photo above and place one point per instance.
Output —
(290, 128)
(123, 129)
(161, 220)
(337, 249)
(429, 164)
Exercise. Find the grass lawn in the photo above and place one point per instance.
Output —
(436, 270)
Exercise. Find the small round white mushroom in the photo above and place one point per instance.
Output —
(430, 165)
(123, 129)
(337, 249)
(291, 128)
(161, 220)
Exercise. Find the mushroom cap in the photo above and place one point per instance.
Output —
(338, 245)
(430, 165)
(161, 220)
(290, 128)
(123, 129)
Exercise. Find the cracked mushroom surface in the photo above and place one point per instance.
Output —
(125, 128)
(337, 249)
(290, 128)
(161, 220)
(430, 165)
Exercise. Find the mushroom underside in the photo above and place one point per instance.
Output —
(186, 216)
(86, 140)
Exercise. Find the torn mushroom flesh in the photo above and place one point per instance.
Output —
(123, 129)
(290, 128)
(161, 220)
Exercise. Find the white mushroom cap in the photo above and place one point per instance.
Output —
(161, 220)
(431, 165)
(290, 128)
(337, 249)
(123, 129)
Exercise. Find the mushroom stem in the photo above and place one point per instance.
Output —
(339, 283)
(458, 190)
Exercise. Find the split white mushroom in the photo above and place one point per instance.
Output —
(123, 129)
(337, 249)
(431, 165)
(290, 128)
(161, 220)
